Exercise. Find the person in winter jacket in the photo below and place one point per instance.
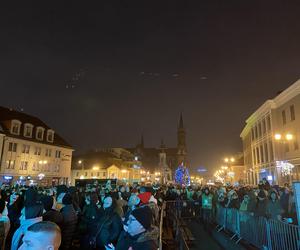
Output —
(261, 204)
(274, 210)
(233, 200)
(109, 224)
(140, 234)
(6, 223)
(29, 216)
(69, 219)
(51, 214)
(207, 206)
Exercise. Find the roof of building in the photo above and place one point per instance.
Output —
(10, 114)
(283, 97)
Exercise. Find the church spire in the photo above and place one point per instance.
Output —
(142, 141)
(181, 122)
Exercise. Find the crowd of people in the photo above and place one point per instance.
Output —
(93, 217)
(123, 217)
(272, 202)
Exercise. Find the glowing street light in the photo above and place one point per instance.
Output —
(95, 168)
(226, 160)
(232, 159)
(277, 137)
(289, 137)
(80, 161)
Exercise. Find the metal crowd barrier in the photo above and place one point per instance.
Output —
(258, 231)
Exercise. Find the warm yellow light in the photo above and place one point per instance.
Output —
(192, 177)
(95, 168)
(40, 162)
(232, 159)
(81, 177)
(80, 161)
(277, 136)
(123, 170)
(45, 162)
(289, 137)
(226, 160)
(142, 179)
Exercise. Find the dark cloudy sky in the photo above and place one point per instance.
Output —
(102, 74)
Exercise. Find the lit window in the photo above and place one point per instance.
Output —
(50, 135)
(37, 151)
(26, 149)
(12, 147)
(57, 154)
(40, 133)
(15, 127)
(28, 130)
(23, 165)
(292, 110)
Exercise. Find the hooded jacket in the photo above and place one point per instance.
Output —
(25, 223)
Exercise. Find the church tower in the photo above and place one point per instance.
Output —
(181, 144)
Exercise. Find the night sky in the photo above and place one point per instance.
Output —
(102, 74)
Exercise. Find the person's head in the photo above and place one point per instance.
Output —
(44, 235)
(206, 191)
(246, 198)
(273, 196)
(48, 202)
(107, 202)
(139, 221)
(133, 200)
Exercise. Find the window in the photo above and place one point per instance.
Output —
(292, 110)
(257, 155)
(48, 152)
(23, 165)
(85, 173)
(35, 166)
(271, 151)
(252, 134)
(57, 154)
(12, 147)
(37, 151)
(39, 133)
(58, 168)
(264, 126)
(296, 145)
(259, 130)
(262, 154)
(26, 149)
(92, 174)
(28, 130)
(77, 174)
(287, 147)
(103, 174)
(10, 164)
(283, 117)
(254, 157)
(269, 123)
(98, 174)
(50, 135)
(256, 134)
(266, 152)
(15, 127)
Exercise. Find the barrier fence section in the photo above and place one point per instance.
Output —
(261, 232)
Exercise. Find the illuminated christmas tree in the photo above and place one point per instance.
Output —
(182, 176)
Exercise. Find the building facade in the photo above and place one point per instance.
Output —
(31, 151)
(163, 159)
(271, 139)
(109, 163)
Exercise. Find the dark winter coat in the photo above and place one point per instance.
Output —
(110, 224)
(144, 241)
(69, 226)
(54, 216)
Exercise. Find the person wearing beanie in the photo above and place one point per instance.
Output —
(140, 235)
(51, 214)
(69, 215)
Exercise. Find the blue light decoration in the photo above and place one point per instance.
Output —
(182, 176)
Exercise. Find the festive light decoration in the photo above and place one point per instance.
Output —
(286, 167)
(182, 175)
